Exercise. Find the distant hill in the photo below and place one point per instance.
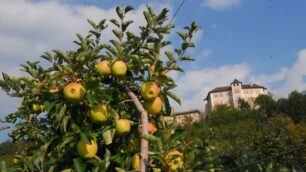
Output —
(303, 92)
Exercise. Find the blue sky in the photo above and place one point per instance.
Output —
(260, 41)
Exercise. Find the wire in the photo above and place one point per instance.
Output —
(268, 158)
(177, 10)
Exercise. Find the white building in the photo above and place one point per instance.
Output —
(193, 115)
(229, 95)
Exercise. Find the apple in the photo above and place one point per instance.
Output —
(151, 129)
(74, 92)
(154, 106)
(174, 160)
(38, 108)
(16, 161)
(108, 136)
(123, 127)
(119, 68)
(135, 162)
(99, 113)
(103, 67)
(149, 90)
(87, 150)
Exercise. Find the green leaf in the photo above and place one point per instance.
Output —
(174, 97)
(48, 105)
(79, 165)
(62, 55)
(185, 58)
(6, 77)
(4, 85)
(183, 35)
(47, 56)
(170, 56)
(177, 135)
(107, 159)
(92, 23)
(126, 24)
(62, 112)
(148, 18)
(64, 123)
(128, 8)
(115, 22)
(120, 13)
(166, 106)
(177, 68)
(162, 16)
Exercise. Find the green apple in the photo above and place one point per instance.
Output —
(74, 92)
(119, 68)
(99, 113)
(38, 108)
(154, 106)
(123, 127)
(135, 162)
(149, 90)
(103, 67)
(87, 150)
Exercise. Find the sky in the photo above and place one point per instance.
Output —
(258, 41)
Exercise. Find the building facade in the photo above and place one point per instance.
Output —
(230, 95)
(181, 117)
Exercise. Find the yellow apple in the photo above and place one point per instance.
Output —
(135, 162)
(87, 150)
(38, 108)
(16, 161)
(119, 68)
(149, 90)
(154, 106)
(99, 113)
(103, 67)
(74, 92)
(35, 107)
(174, 160)
(123, 127)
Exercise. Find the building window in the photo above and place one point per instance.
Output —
(220, 94)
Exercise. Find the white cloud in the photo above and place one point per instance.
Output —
(269, 80)
(296, 74)
(221, 4)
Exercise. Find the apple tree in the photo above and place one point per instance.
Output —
(101, 107)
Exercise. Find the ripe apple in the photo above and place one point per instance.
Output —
(174, 160)
(149, 90)
(151, 129)
(99, 113)
(38, 108)
(135, 162)
(74, 92)
(123, 127)
(103, 67)
(154, 106)
(87, 150)
(119, 68)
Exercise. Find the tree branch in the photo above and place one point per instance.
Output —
(144, 149)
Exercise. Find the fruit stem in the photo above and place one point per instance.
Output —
(144, 147)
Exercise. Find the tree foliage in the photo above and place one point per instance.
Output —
(54, 124)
